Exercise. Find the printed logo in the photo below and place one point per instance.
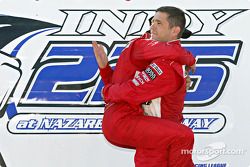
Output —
(58, 88)
(156, 68)
(208, 123)
(150, 73)
(125, 23)
(59, 123)
(145, 77)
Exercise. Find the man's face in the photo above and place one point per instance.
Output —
(160, 29)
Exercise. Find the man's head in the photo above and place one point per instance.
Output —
(168, 23)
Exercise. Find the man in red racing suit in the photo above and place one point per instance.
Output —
(148, 69)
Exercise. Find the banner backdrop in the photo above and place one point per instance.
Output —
(50, 104)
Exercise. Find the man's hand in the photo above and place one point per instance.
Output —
(188, 79)
(192, 68)
(100, 55)
(188, 82)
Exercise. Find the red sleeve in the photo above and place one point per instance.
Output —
(106, 74)
(157, 80)
(186, 58)
(149, 50)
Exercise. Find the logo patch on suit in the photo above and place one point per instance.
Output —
(150, 73)
(156, 68)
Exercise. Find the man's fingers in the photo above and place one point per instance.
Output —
(98, 49)
(193, 68)
(95, 48)
(95, 45)
(102, 52)
(188, 82)
(100, 55)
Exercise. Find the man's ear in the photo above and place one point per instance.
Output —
(176, 30)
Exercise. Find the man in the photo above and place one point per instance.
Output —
(148, 68)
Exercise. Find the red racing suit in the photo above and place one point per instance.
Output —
(159, 73)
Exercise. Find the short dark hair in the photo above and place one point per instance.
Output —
(176, 17)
